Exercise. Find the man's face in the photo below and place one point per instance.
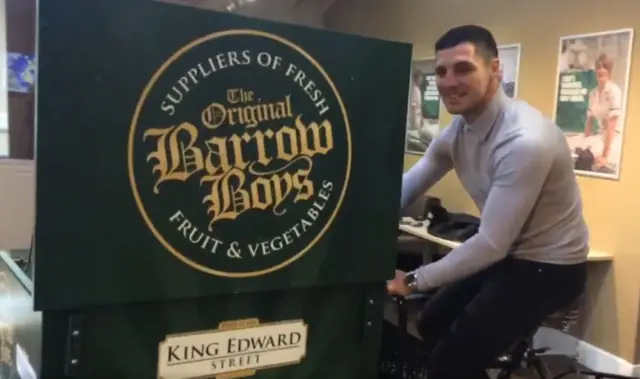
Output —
(463, 77)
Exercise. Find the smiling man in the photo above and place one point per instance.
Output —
(528, 258)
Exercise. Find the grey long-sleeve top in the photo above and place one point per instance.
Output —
(516, 166)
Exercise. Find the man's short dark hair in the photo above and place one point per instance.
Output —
(476, 35)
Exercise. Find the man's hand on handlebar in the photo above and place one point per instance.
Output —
(397, 286)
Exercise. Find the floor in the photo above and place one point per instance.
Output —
(555, 364)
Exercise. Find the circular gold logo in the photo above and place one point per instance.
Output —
(239, 153)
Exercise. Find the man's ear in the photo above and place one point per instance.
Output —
(495, 66)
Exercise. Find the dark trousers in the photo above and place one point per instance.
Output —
(467, 325)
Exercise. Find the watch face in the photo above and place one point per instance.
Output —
(409, 278)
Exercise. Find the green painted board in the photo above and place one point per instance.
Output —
(183, 153)
(122, 341)
(207, 177)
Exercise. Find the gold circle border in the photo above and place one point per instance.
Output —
(130, 148)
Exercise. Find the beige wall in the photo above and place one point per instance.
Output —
(611, 207)
(17, 184)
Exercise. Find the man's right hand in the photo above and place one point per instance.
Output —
(397, 286)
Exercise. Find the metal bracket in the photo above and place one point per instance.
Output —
(74, 343)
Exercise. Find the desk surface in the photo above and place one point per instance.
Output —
(420, 231)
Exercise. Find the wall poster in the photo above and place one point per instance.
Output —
(591, 99)
(423, 119)
(510, 68)
(21, 70)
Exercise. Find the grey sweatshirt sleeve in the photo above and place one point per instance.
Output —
(520, 171)
(435, 163)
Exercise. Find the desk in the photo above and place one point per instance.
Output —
(420, 231)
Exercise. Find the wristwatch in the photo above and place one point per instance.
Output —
(411, 281)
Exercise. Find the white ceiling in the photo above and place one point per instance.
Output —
(304, 12)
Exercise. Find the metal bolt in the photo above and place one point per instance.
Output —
(75, 333)
(370, 301)
(74, 362)
(368, 323)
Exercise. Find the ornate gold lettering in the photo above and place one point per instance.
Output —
(248, 169)
(177, 158)
(321, 137)
(214, 115)
(249, 115)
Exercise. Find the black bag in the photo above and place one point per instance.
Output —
(450, 226)
(458, 227)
